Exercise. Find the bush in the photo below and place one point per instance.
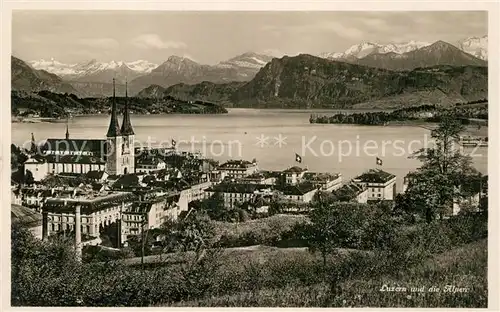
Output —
(271, 231)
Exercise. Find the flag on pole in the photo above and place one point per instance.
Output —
(174, 143)
(298, 158)
(379, 161)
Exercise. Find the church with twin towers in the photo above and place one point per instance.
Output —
(120, 140)
(114, 154)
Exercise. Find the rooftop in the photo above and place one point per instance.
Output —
(127, 181)
(294, 169)
(237, 164)
(88, 204)
(149, 160)
(246, 188)
(298, 189)
(349, 191)
(94, 175)
(75, 159)
(94, 146)
(321, 176)
(25, 216)
(375, 176)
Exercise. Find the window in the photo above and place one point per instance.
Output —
(378, 195)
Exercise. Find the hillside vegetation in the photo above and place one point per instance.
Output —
(49, 104)
(305, 81)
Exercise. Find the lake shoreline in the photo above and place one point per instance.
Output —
(17, 119)
(471, 130)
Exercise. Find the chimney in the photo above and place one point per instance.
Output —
(78, 233)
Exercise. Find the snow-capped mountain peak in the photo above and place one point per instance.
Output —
(91, 67)
(477, 46)
(366, 48)
(250, 60)
(142, 66)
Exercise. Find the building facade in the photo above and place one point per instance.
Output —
(238, 168)
(326, 182)
(294, 175)
(97, 212)
(381, 185)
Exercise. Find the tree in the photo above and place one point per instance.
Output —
(41, 271)
(214, 207)
(334, 226)
(439, 180)
(195, 233)
(28, 178)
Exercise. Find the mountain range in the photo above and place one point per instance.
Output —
(93, 78)
(306, 81)
(476, 46)
(437, 72)
(438, 53)
(25, 78)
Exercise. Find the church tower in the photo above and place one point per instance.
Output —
(67, 130)
(114, 142)
(128, 158)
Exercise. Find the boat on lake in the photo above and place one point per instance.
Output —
(473, 141)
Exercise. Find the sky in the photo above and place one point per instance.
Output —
(211, 37)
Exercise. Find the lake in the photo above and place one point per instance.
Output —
(273, 137)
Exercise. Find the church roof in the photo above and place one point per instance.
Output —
(74, 159)
(95, 146)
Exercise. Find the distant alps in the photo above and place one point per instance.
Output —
(476, 46)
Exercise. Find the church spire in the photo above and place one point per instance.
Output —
(114, 127)
(33, 143)
(126, 125)
(67, 130)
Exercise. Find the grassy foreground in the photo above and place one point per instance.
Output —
(456, 268)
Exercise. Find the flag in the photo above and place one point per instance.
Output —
(174, 143)
(379, 161)
(298, 158)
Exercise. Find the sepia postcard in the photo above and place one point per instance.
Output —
(208, 156)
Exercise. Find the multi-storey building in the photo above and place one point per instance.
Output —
(149, 163)
(293, 175)
(352, 192)
(238, 168)
(235, 194)
(300, 193)
(150, 212)
(97, 211)
(326, 182)
(381, 185)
